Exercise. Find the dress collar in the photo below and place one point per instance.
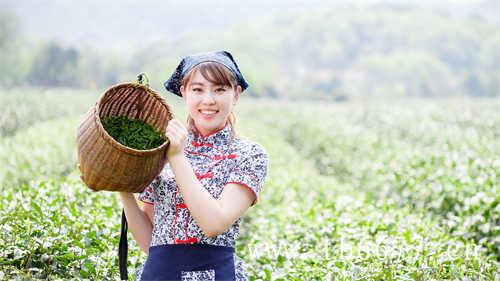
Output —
(221, 137)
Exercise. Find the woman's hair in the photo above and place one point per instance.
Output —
(217, 74)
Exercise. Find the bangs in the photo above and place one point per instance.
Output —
(214, 72)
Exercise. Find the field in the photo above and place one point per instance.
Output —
(402, 190)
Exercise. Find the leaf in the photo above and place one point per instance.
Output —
(37, 208)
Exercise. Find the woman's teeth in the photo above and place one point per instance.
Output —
(208, 112)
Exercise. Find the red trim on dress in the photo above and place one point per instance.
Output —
(186, 241)
(176, 213)
(218, 159)
(198, 144)
(206, 175)
(177, 207)
(222, 157)
(147, 202)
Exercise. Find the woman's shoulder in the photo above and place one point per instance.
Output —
(247, 146)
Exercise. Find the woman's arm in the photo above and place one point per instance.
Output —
(139, 221)
(214, 216)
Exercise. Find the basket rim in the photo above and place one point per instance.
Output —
(115, 143)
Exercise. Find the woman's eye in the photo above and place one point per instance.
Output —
(197, 90)
(220, 89)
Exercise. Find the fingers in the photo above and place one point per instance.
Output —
(176, 125)
(176, 132)
(177, 135)
(173, 136)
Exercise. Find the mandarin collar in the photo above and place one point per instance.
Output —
(221, 137)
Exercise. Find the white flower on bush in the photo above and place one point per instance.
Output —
(485, 228)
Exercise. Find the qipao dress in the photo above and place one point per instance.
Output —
(217, 160)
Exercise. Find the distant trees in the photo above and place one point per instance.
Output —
(50, 64)
(12, 70)
(54, 65)
(332, 52)
(386, 52)
(346, 51)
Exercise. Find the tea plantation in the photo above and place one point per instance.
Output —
(404, 190)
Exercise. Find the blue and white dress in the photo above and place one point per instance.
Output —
(217, 160)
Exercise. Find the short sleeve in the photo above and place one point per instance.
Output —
(147, 196)
(251, 170)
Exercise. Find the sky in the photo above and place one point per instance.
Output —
(128, 24)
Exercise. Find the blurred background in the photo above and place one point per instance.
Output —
(381, 120)
(323, 50)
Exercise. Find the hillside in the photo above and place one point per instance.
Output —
(314, 51)
(348, 51)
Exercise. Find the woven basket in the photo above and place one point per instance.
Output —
(108, 165)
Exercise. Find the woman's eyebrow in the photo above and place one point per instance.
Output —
(196, 83)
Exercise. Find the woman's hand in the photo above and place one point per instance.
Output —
(177, 135)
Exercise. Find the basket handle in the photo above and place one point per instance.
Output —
(142, 79)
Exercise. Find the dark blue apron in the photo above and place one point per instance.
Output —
(168, 262)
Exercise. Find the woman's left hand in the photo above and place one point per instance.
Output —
(177, 135)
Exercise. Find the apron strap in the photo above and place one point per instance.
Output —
(123, 248)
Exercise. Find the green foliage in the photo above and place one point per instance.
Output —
(26, 62)
(58, 233)
(8, 28)
(337, 229)
(355, 52)
(415, 155)
(22, 107)
(324, 53)
(25, 154)
(55, 65)
(133, 133)
(14, 64)
(368, 192)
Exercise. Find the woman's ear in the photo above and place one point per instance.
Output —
(183, 92)
(237, 93)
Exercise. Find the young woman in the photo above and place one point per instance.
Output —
(192, 211)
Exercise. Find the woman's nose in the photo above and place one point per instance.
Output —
(208, 97)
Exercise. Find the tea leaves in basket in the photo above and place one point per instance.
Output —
(133, 133)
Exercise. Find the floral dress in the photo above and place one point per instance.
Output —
(217, 160)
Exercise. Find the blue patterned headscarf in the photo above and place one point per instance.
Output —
(174, 83)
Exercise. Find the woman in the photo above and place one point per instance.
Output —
(192, 210)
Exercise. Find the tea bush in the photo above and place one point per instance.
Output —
(354, 192)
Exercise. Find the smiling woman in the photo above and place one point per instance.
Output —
(193, 209)
(210, 92)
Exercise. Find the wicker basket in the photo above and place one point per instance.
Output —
(108, 165)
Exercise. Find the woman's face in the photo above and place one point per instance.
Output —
(209, 104)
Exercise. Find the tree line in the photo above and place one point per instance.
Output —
(328, 54)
